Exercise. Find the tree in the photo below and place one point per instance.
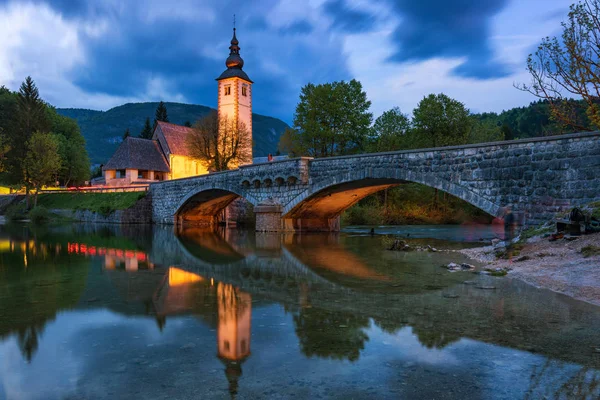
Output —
(75, 163)
(569, 67)
(289, 143)
(486, 130)
(442, 121)
(29, 115)
(146, 133)
(126, 134)
(332, 119)
(42, 161)
(389, 132)
(220, 144)
(31, 110)
(161, 113)
(188, 124)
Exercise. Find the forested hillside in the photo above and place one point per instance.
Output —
(531, 121)
(103, 130)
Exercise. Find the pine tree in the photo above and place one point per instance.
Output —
(126, 134)
(146, 133)
(161, 113)
(31, 110)
(30, 116)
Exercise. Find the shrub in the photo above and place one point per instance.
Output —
(39, 215)
(105, 210)
(590, 251)
(16, 212)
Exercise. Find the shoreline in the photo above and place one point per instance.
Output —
(558, 266)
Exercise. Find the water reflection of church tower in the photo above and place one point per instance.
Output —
(233, 332)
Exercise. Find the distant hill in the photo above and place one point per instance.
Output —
(103, 130)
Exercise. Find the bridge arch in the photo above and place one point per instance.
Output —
(323, 201)
(202, 205)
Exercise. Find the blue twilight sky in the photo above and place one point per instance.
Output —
(102, 53)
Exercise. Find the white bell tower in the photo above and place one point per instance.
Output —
(235, 94)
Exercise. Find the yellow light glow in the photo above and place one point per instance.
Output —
(180, 277)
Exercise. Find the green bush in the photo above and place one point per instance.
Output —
(590, 251)
(105, 210)
(39, 215)
(16, 212)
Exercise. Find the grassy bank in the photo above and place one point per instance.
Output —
(103, 203)
(413, 204)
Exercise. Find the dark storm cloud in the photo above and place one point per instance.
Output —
(184, 55)
(442, 28)
(347, 18)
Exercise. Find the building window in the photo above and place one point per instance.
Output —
(227, 90)
(120, 173)
(244, 90)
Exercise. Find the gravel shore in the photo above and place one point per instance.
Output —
(559, 266)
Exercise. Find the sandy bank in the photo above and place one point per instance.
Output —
(558, 266)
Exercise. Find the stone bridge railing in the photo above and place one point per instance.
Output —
(538, 177)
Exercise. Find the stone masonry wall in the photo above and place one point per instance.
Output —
(538, 177)
(139, 213)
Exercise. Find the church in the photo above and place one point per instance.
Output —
(140, 161)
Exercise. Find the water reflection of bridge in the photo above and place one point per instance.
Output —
(281, 270)
(314, 278)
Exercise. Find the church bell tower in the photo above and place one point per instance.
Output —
(235, 96)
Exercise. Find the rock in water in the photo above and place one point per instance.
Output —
(466, 266)
(452, 267)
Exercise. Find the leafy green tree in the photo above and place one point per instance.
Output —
(75, 163)
(147, 131)
(390, 131)
(331, 119)
(569, 67)
(289, 143)
(442, 121)
(485, 130)
(42, 162)
(161, 113)
(126, 134)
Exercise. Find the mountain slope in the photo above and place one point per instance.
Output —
(103, 130)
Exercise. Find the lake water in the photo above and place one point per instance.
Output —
(107, 312)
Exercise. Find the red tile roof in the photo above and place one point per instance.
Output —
(175, 135)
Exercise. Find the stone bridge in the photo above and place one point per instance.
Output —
(538, 177)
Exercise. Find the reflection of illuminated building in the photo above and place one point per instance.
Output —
(233, 333)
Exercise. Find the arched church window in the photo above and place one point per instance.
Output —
(227, 90)
(244, 91)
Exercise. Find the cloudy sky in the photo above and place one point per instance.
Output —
(102, 53)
